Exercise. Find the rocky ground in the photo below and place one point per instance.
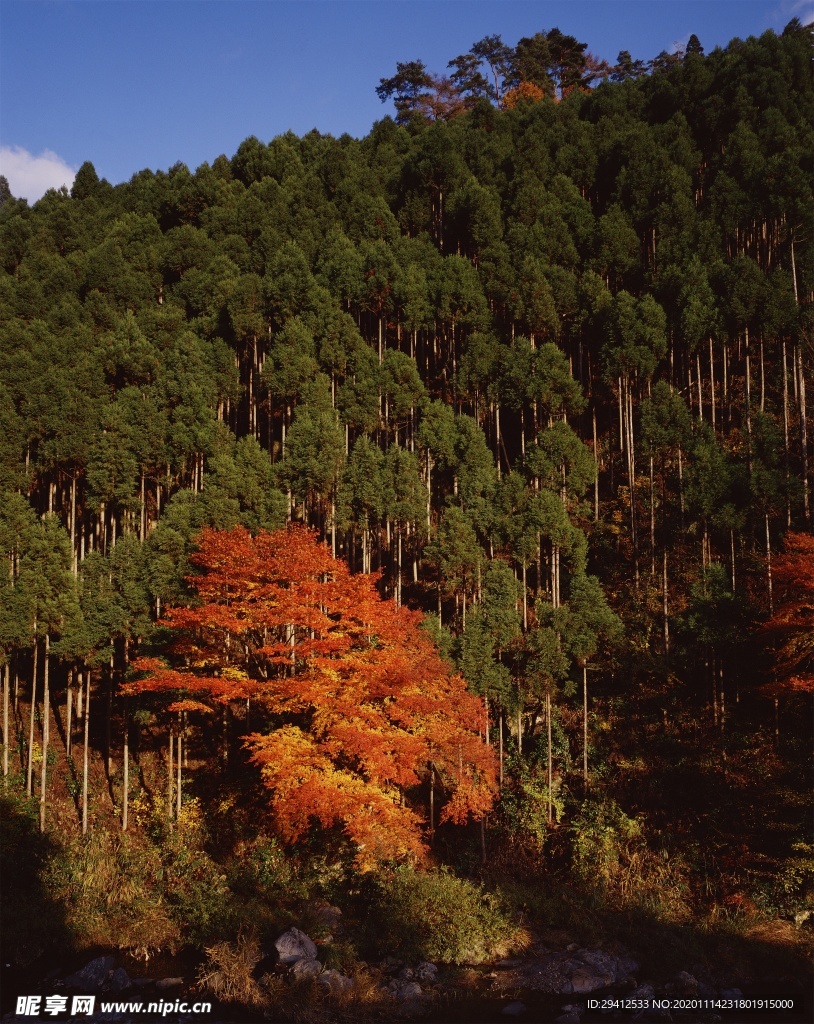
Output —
(546, 984)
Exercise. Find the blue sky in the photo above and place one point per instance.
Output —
(130, 85)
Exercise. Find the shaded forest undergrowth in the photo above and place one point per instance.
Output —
(704, 869)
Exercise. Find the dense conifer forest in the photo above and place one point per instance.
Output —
(440, 497)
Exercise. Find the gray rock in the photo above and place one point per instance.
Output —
(645, 991)
(93, 974)
(335, 982)
(426, 973)
(731, 993)
(686, 984)
(166, 983)
(588, 970)
(572, 1017)
(404, 990)
(306, 968)
(295, 945)
(515, 1009)
(619, 967)
(406, 974)
(582, 981)
(119, 980)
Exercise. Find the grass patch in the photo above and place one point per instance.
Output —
(441, 917)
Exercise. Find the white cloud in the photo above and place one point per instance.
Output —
(802, 9)
(30, 177)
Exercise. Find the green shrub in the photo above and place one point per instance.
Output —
(524, 804)
(613, 863)
(111, 886)
(791, 891)
(603, 838)
(195, 887)
(340, 955)
(439, 917)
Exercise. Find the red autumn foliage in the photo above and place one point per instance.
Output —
(791, 627)
(363, 705)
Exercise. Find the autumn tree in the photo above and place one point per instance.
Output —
(791, 627)
(360, 706)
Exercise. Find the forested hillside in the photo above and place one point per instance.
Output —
(533, 360)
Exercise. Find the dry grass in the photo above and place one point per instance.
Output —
(228, 973)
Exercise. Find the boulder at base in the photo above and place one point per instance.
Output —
(93, 975)
(295, 945)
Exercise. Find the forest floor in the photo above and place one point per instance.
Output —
(703, 895)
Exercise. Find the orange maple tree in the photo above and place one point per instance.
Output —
(791, 627)
(362, 706)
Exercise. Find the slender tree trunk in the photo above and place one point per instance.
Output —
(46, 727)
(85, 757)
(786, 430)
(432, 806)
(525, 601)
(497, 438)
(126, 769)
(762, 378)
(169, 774)
(6, 687)
(30, 766)
(178, 787)
(109, 712)
(748, 401)
(69, 715)
(519, 720)
(652, 522)
(143, 511)
(550, 758)
(769, 565)
(500, 746)
(804, 435)
(585, 726)
(665, 595)
(700, 395)
(596, 471)
(74, 566)
(712, 383)
(725, 367)
(715, 718)
(631, 474)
